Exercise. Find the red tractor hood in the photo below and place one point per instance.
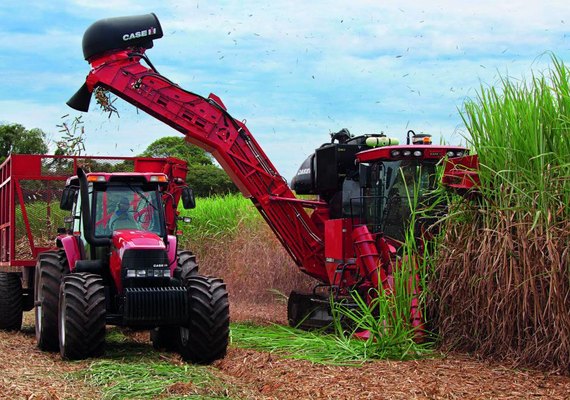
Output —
(125, 239)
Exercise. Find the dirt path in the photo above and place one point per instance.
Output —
(27, 373)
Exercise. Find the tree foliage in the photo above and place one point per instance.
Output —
(204, 176)
(15, 138)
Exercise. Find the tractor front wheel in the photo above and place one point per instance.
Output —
(50, 268)
(186, 266)
(205, 337)
(11, 301)
(81, 316)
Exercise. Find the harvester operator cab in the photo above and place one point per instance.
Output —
(372, 179)
(393, 189)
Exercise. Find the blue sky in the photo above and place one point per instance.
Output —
(295, 70)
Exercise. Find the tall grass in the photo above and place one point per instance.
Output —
(220, 216)
(503, 276)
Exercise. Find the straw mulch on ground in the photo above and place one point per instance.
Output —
(27, 373)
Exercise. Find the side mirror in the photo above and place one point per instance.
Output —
(188, 200)
(68, 198)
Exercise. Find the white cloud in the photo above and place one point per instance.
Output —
(295, 70)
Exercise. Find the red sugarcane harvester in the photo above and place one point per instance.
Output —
(350, 240)
(118, 262)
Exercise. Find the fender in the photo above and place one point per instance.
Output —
(73, 248)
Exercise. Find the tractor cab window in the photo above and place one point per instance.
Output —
(130, 207)
(391, 191)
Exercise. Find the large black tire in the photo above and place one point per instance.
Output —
(81, 316)
(11, 301)
(186, 266)
(205, 337)
(50, 268)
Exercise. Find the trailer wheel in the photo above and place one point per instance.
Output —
(81, 316)
(11, 301)
(186, 266)
(205, 337)
(50, 267)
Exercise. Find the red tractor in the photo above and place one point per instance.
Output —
(350, 240)
(118, 262)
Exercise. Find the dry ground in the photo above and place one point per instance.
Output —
(27, 373)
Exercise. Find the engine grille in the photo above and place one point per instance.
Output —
(145, 268)
(143, 258)
(156, 306)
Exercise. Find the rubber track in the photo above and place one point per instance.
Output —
(209, 320)
(84, 303)
(11, 301)
(52, 265)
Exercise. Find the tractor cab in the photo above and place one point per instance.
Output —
(123, 201)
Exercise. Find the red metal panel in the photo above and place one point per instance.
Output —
(336, 230)
(339, 251)
(429, 152)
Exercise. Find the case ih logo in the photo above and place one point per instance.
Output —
(139, 34)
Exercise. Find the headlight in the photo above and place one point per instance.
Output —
(143, 273)
(406, 153)
(395, 153)
(450, 154)
(417, 153)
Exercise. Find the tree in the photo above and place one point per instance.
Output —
(14, 138)
(175, 146)
(203, 175)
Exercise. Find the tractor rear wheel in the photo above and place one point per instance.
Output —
(205, 337)
(81, 316)
(50, 268)
(11, 301)
(186, 265)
